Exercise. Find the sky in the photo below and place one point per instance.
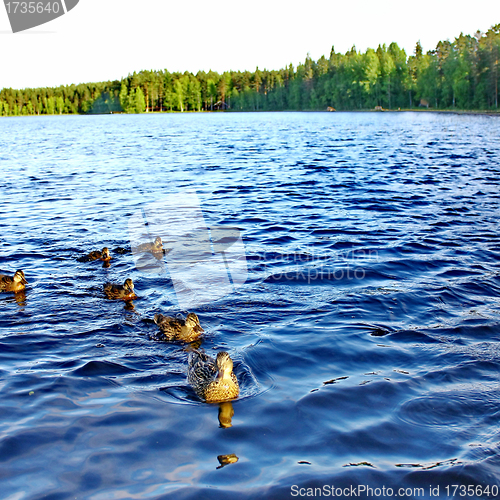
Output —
(100, 40)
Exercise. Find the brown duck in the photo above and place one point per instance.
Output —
(120, 292)
(16, 283)
(103, 255)
(155, 248)
(212, 379)
(185, 330)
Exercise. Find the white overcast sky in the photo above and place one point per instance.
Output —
(108, 39)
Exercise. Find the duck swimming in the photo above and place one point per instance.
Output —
(154, 248)
(16, 283)
(212, 379)
(186, 330)
(96, 255)
(120, 292)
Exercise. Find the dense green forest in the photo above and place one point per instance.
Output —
(463, 74)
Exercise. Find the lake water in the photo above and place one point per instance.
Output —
(366, 337)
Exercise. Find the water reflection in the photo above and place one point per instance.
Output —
(194, 346)
(451, 461)
(226, 413)
(226, 460)
(19, 297)
(129, 306)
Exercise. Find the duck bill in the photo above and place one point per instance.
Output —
(198, 328)
(24, 281)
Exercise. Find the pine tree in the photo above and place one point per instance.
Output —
(139, 101)
(124, 97)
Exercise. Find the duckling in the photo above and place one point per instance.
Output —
(96, 255)
(213, 380)
(16, 283)
(120, 292)
(154, 248)
(186, 330)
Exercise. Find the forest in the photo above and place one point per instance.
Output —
(458, 75)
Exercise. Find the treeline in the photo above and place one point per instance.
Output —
(463, 74)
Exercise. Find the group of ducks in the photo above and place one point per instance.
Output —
(212, 379)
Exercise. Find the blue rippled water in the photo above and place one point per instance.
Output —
(366, 338)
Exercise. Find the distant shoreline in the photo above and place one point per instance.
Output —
(404, 110)
(444, 111)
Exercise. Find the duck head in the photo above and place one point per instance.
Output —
(19, 276)
(129, 285)
(105, 255)
(192, 321)
(158, 244)
(224, 365)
